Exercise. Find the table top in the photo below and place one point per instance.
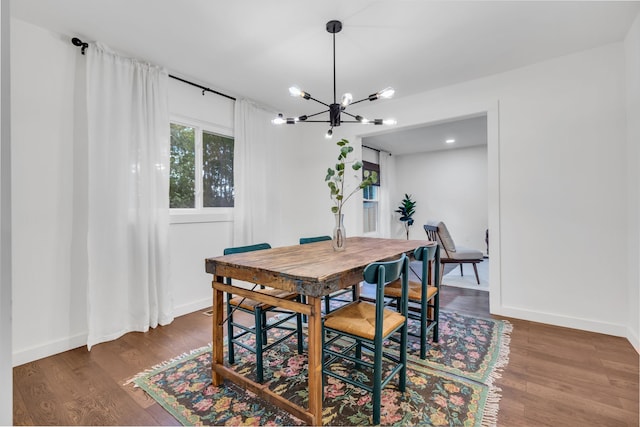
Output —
(313, 269)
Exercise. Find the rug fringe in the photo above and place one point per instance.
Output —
(490, 412)
(166, 363)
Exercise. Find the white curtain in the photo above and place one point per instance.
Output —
(128, 130)
(253, 163)
(387, 192)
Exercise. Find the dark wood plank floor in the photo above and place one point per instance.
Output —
(555, 376)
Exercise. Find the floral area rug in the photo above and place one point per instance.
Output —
(452, 387)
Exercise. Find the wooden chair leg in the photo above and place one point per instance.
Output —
(475, 268)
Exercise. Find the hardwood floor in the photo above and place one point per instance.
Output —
(555, 376)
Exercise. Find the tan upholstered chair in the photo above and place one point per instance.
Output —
(450, 253)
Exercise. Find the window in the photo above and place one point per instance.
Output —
(201, 168)
(370, 200)
(370, 209)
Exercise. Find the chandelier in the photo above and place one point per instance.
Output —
(335, 109)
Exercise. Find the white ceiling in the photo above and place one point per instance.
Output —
(258, 48)
(466, 132)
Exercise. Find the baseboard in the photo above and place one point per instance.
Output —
(49, 349)
(183, 309)
(590, 325)
(54, 347)
(632, 336)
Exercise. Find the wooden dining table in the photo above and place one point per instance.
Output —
(314, 270)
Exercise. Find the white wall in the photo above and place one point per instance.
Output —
(191, 242)
(447, 185)
(557, 174)
(49, 205)
(557, 169)
(632, 51)
(49, 195)
(6, 373)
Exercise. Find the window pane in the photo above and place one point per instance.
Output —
(370, 192)
(217, 171)
(182, 173)
(370, 220)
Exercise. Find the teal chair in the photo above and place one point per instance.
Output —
(423, 296)
(259, 311)
(361, 324)
(336, 295)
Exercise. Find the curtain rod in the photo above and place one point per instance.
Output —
(83, 45)
(376, 149)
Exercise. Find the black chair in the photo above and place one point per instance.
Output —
(423, 296)
(349, 329)
(259, 311)
(335, 296)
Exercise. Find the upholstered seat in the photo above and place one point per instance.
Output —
(452, 254)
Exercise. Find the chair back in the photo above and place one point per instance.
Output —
(249, 248)
(382, 273)
(437, 231)
(428, 254)
(305, 240)
(242, 249)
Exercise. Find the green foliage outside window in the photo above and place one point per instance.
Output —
(182, 171)
(217, 170)
(193, 166)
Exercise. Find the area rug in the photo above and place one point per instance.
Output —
(453, 386)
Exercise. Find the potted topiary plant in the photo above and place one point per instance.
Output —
(406, 210)
(335, 181)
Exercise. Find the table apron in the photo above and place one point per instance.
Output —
(312, 288)
(298, 307)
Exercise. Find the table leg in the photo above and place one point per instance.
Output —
(217, 340)
(315, 359)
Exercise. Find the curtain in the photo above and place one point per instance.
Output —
(387, 191)
(128, 139)
(253, 163)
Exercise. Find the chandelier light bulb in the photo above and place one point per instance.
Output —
(389, 122)
(329, 134)
(347, 98)
(295, 91)
(278, 120)
(386, 93)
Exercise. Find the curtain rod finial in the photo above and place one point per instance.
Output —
(77, 42)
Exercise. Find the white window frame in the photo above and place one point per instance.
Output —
(377, 203)
(200, 213)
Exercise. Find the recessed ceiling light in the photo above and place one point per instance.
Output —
(450, 141)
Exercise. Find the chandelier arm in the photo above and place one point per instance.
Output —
(316, 114)
(319, 102)
(315, 121)
(356, 121)
(349, 114)
(356, 102)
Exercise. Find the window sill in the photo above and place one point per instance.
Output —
(199, 217)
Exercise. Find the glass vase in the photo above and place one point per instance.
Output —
(339, 234)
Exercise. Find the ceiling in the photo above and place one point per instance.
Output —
(465, 132)
(257, 49)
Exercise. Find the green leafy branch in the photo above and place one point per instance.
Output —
(335, 177)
